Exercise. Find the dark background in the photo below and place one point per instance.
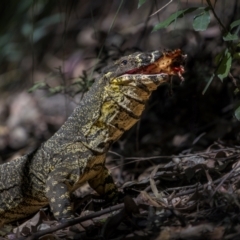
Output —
(64, 45)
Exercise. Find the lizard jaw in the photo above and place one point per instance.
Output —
(171, 63)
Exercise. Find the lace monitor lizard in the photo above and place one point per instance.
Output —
(76, 152)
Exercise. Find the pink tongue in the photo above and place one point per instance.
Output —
(132, 71)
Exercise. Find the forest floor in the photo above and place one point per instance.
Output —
(178, 168)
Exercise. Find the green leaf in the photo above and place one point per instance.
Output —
(237, 113)
(225, 65)
(56, 89)
(201, 21)
(208, 84)
(141, 2)
(234, 24)
(224, 60)
(218, 58)
(230, 37)
(38, 85)
(173, 17)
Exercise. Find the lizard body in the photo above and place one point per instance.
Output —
(76, 152)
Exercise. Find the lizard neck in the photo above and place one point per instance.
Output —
(109, 109)
(80, 121)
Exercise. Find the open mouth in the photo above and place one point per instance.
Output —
(171, 63)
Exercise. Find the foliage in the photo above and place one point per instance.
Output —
(34, 21)
(80, 84)
(173, 18)
(201, 21)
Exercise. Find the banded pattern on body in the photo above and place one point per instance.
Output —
(76, 152)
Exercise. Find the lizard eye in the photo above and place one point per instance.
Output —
(124, 62)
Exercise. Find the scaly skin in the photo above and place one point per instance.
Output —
(76, 152)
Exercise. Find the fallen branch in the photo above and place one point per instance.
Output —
(71, 222)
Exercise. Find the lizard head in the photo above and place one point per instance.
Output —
(151, 63)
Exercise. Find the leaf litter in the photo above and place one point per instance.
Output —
(192, 196)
